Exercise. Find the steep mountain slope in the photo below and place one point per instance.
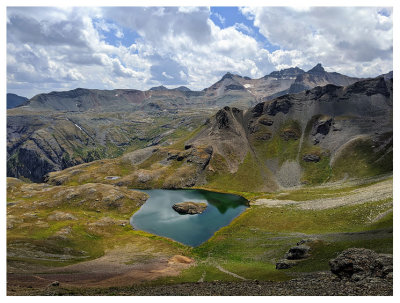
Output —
(60, 129)
(325, 134)
(14, 100)
(310, 137)
(39, 142)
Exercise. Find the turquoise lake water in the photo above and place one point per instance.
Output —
(156, 216)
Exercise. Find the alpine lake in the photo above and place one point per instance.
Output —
(158, 217)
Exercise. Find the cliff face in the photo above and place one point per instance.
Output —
(325, 133)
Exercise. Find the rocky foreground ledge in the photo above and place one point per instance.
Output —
(354, 272)
(189, 208)
(314, 284)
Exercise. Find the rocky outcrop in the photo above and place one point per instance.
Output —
(282, 104)
(61, 216)
(295, 254)
(322, 126)
(298, 252)
(360, 263)
(189, 208)
(266, 121)
(222, 119)
(286, 73)
(311, 158)
(317, 76)
(371, 87)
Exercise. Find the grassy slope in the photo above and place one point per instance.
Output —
(362, 159)
(252, 244)
(33, 230)
(249, 246)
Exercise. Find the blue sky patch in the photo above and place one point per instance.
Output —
(229, 16)
(114, 34)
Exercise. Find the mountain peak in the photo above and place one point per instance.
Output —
(157, 88)
(287, 72)
(317, 69)
(183, 89)
(228, 75)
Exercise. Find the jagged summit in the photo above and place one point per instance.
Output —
(287, 72)
(318, 69)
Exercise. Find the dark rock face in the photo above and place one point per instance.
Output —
(284, 73)
(222, 119)
(258, 110)
(281, 104)
(370, 87)
(311, 158)
(330, 90)
(360, 263)
(30, 164)
(228, 75)
(189, 208)
(322, 126)
(235, 87)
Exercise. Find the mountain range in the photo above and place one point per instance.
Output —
(61, 129)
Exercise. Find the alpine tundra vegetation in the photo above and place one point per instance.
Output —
(276, 184)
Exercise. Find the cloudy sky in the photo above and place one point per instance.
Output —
(137, 47)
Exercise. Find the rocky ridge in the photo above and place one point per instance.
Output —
(61, 129)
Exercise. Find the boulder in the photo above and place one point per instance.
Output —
(311, 158)
(295, 253)
(285, 263)
(61, 216)
(298, 252)
(190, 208)
(360, 263)
(266, 121)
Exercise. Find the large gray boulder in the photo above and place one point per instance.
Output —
(360, 263)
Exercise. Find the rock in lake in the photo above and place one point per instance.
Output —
(190, 208)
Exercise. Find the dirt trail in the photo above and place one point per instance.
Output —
(374, 192)
(229, 273)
